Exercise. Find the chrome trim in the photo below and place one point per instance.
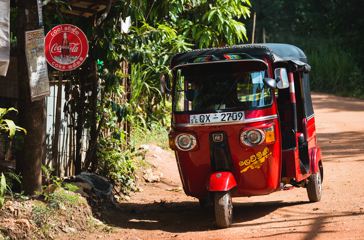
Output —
(190, 146)
(248, 143)
(309, 117)
(250, 120)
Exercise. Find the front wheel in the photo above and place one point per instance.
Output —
(223, 209)
(314, 187)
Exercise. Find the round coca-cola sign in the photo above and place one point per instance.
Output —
(66, 47)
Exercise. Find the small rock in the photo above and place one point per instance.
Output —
(152, 176)
(158, 150)
(84, 189)
(97, 222)
(144, 147)
(69, 229)
(10, 208)
(23, 223)
(7, 220)
(62, 206)
(8, 203)
(127, 198)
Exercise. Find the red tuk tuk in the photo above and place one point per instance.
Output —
(243, 124)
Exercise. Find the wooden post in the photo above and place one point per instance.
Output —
(71, 149)
(263, 35)
(126, 98)
(253, 27)
(32, 115)
(94, 132)
(58, 125)
(80, 101)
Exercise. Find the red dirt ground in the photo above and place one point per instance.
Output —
(162, 211)
(156, 213)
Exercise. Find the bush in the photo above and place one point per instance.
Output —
(335, 71)
(119, 167)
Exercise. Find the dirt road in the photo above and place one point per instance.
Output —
(157, 213)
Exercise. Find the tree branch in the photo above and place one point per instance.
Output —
(149, 12)
(104, 15)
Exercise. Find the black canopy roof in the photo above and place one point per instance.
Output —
(277, 52)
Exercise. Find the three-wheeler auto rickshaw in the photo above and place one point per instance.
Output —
(243, 124)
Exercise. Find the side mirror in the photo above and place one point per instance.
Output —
(165, 83)
(270, 82)
(281, 77)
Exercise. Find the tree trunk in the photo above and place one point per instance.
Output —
(32, 115)
(94, 133)
(55, 160)
(127, 88)
(80, 102)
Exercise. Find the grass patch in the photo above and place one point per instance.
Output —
(156, 134)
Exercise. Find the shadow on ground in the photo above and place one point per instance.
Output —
(334, 103)
(336, 146)
(179, 217)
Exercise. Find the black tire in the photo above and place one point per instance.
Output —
(314, 187)
(223, 209)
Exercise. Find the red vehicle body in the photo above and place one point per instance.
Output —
(243, 124)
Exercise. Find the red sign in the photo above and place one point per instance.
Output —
(66, 47)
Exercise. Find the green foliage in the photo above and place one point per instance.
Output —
(144, 93)
(327, 31)
(48, 173)
(336, 71)
(207, 24)
(2, 237)
(12, 178)
(44, 216)
(119, 167)
(57, 198)
(160, 29)
(7, 125)
(155, 133)
(6, 185)
(8, 128)
(2, 190)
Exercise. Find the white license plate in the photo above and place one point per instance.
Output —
(217, 117)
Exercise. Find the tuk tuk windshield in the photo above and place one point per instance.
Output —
(208, 87)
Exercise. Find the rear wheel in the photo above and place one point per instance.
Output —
(314, 187)
(223, 209)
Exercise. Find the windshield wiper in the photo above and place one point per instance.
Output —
(228, 93)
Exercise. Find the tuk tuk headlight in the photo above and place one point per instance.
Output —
(252, 137)
(185, 142)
